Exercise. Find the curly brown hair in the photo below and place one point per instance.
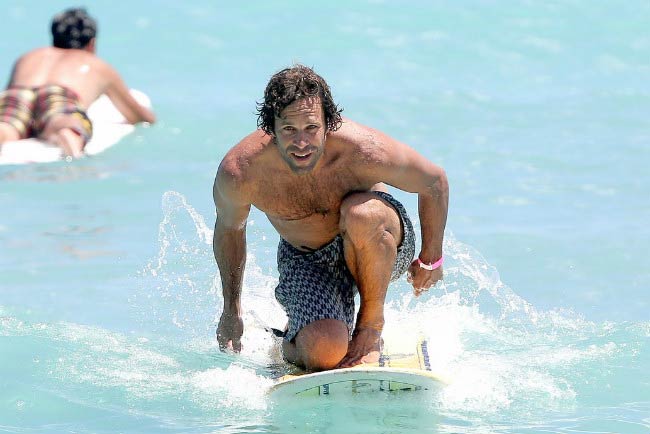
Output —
(73, 28)
(292, 84)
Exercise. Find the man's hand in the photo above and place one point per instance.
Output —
(422, 279)
(229, 332)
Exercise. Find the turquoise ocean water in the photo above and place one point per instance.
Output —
(538, 110)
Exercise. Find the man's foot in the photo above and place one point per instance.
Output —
(70, 141)
(365, 347)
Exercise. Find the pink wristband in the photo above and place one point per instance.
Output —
(432, 266)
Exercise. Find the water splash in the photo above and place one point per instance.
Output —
(177, 287)
(179, 291)
(506, 360)
(93, 361)
(172, 203)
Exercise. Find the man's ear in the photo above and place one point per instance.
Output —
(91, 47)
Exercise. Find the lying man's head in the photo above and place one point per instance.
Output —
(73, 28)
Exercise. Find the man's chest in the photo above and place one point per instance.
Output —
(300, 200)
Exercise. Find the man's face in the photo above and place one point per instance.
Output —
(300, 134)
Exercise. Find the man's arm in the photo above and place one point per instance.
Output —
(402, 167)
(11, 75)
(432, 209)
(119, 94)
(229, 247)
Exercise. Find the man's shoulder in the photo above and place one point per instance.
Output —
(41, 51)
(36, 53)
(244, 158)
(364, 142)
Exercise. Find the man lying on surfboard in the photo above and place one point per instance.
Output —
(320, 179)
(51, 88)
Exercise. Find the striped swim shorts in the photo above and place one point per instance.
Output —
(318, 285)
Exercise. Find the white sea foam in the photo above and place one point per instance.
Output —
(499, 353)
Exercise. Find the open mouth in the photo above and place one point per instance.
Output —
(301, 156)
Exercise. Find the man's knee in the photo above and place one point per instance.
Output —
(322, 344)
(366, 216)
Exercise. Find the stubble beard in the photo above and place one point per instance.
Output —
(317, 153)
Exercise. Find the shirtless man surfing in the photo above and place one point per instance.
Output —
(51, 88)
(320, 179)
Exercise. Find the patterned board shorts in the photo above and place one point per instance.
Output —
(318, 285)
(29, 109)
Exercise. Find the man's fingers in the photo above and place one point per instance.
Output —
(230, 346)
(419, 291)
(224, 345)
(343, 363)
(229, 332)
(348, 362)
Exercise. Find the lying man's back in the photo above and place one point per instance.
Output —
(78, 70)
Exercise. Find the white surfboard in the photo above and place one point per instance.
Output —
(109, 127)
(392, 373)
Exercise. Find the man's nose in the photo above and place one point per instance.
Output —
(301, 140)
